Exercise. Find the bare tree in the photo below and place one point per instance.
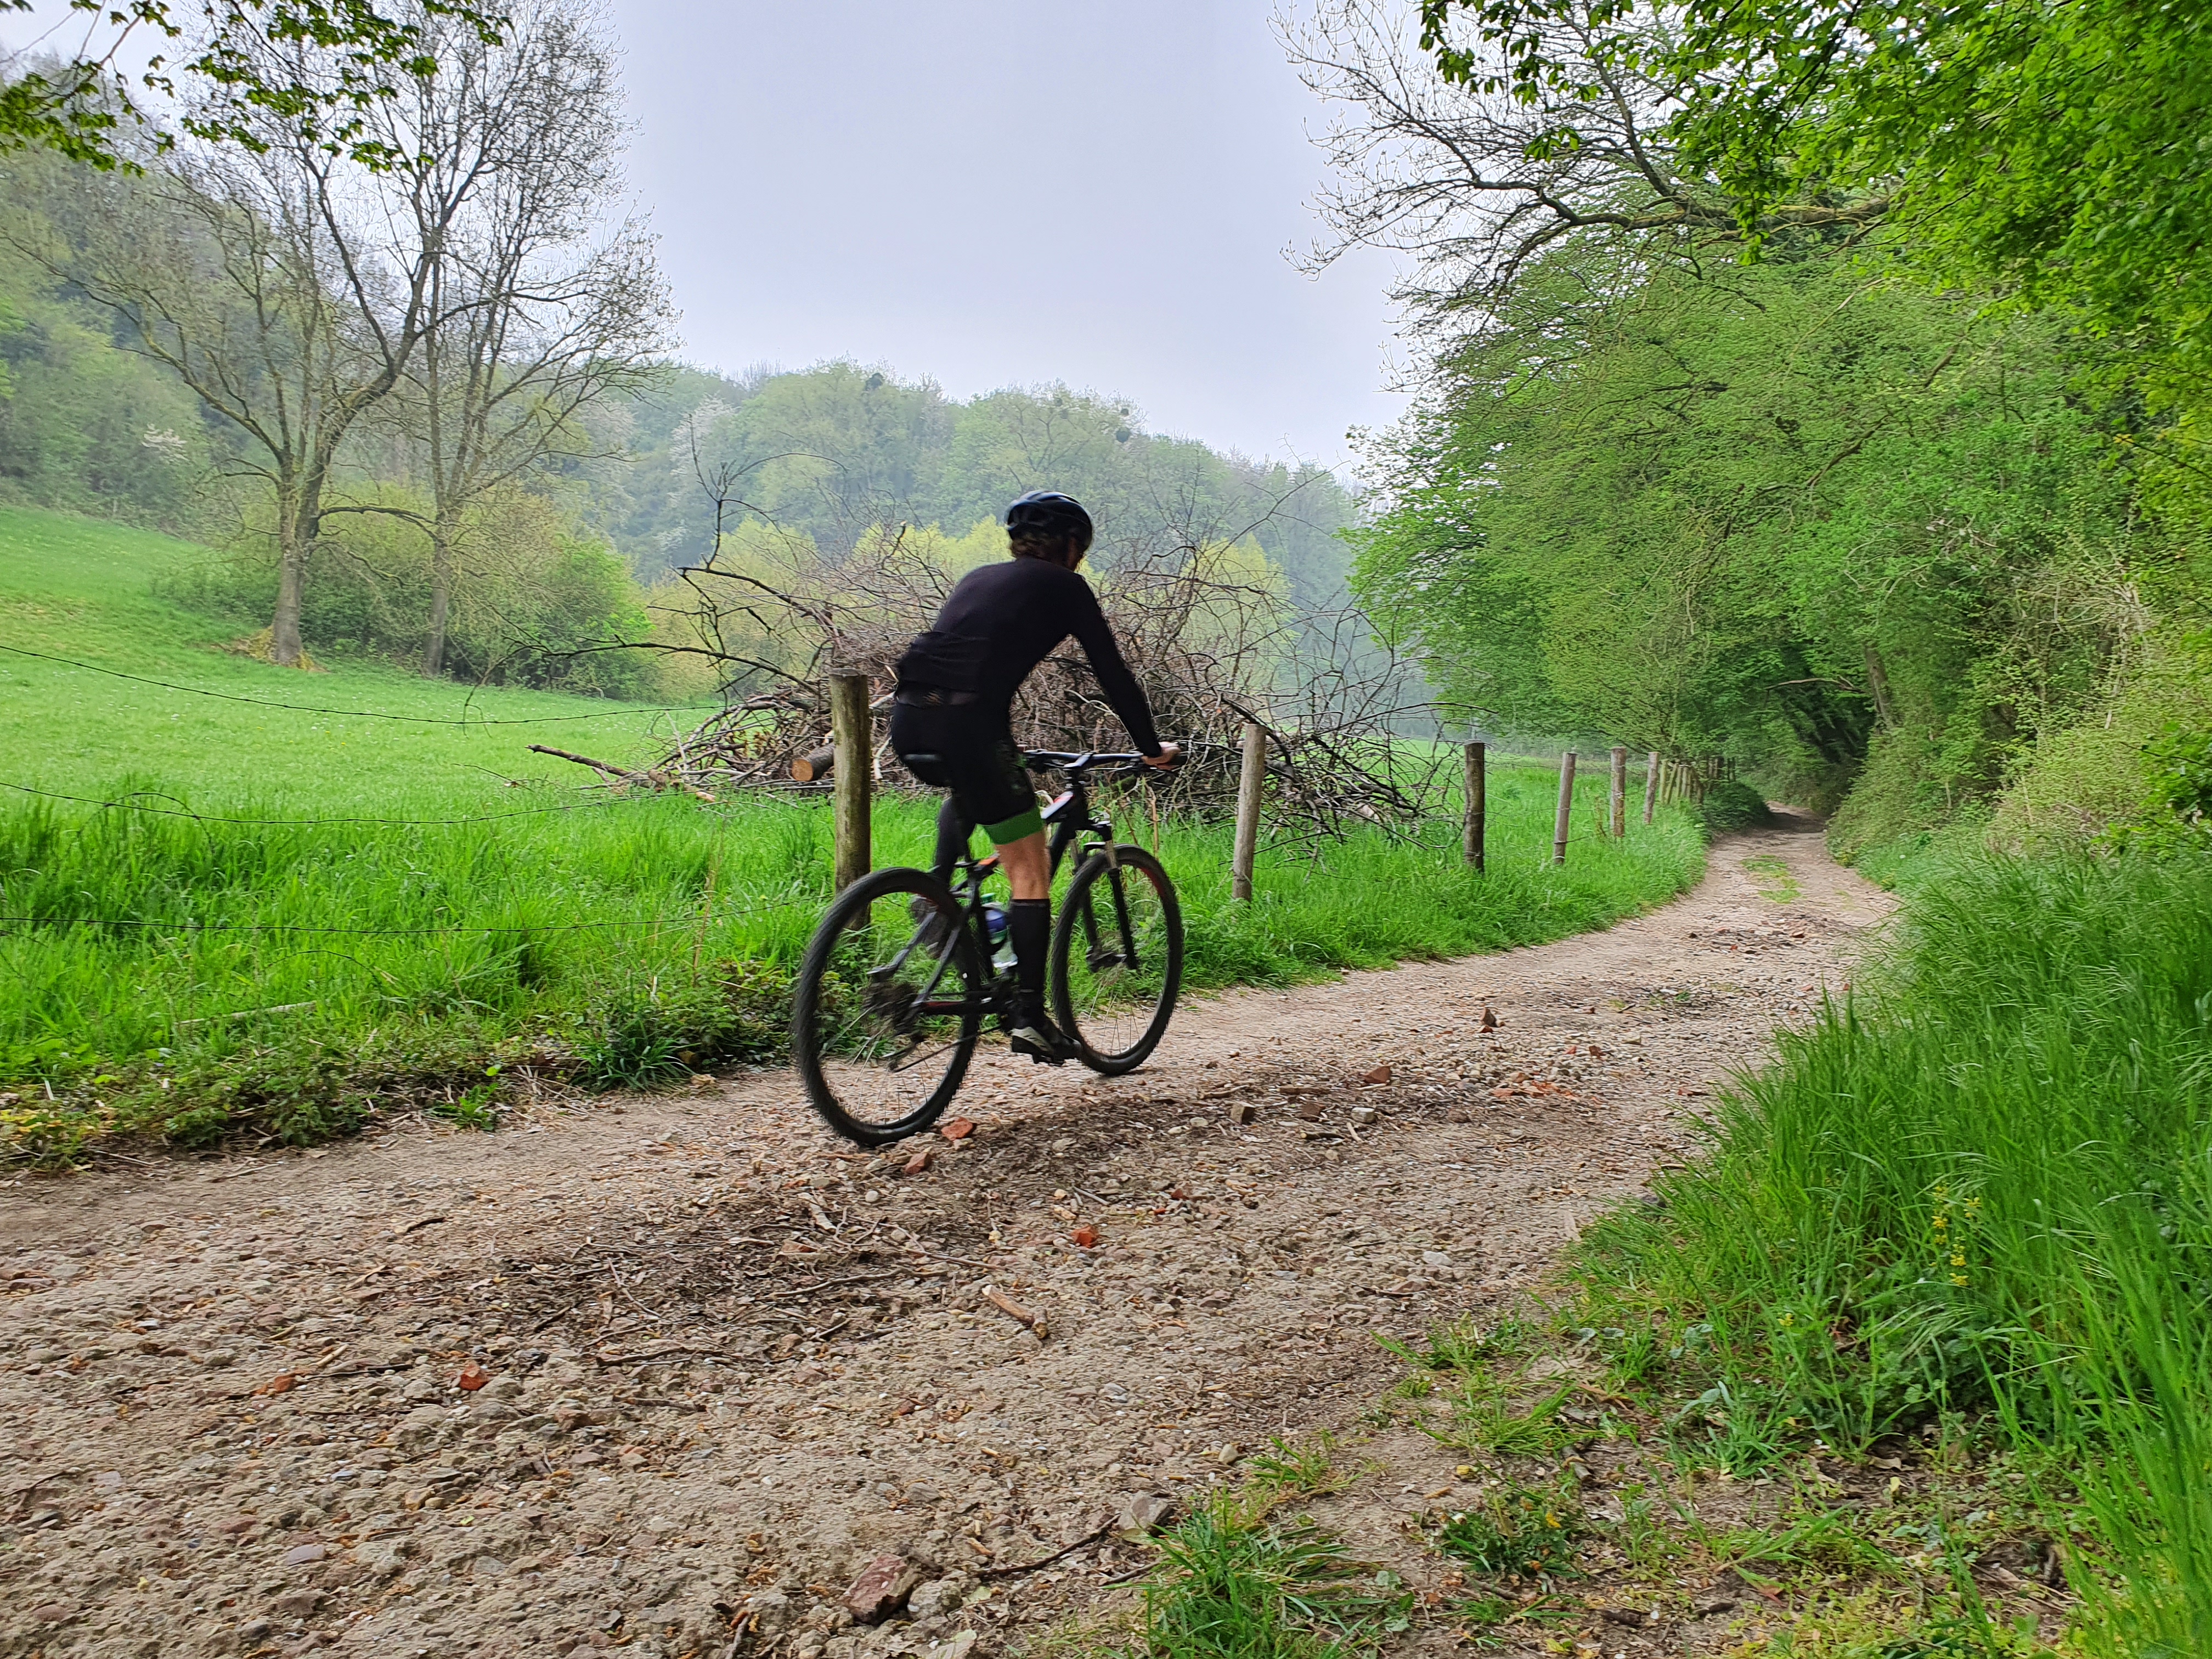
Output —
(292, 282)
(1475, 183)
(536, 313)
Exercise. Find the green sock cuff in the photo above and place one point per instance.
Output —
(1030, 823)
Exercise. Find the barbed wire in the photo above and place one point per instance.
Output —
(341, 713)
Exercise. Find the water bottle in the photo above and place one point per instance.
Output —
(994, 924)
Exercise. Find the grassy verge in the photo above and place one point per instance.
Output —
(1913, 1362)
(1979, 1196)
(1554, 1498)
(265, 919)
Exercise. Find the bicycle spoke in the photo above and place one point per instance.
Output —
(1121, 963)
(890, 1010)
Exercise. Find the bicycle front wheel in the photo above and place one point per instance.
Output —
(888, 1003)
(1117, 958)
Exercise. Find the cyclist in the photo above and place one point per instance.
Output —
(952, 720)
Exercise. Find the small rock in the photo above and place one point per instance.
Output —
(915, 1165)
(1435, 1259)
(1144, 1512)
(382, 1558)
(1084, 1238)
(298, 1603)
(52, 1613)
(1310, 1111)
(881, 1590)
(301, 1555)
(958, 1129)
(1364, 1115)
(253, 1630)
(1380, 1074)
(1243, 1111)
(937, 1597)
(472, 1377)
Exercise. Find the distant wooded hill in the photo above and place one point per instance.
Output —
(836, 450)
(89, 426)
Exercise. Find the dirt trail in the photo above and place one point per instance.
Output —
(730, 1360)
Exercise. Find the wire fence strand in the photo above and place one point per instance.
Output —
(341, 713)
(125, 803)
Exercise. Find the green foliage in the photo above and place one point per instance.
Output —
(85, 425)
(611, 939)
(1983, 1184)
(1306, 1467)
(1798, 514)
(1729, 806)
(2019, 146)
(835, 452)
(533, 595)
(316, 64)
(1230, 1586)
(1515, 1530)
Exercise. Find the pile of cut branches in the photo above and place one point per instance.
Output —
(1205, 629)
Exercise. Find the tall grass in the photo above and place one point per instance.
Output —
(188, 977)
(1987, 1182)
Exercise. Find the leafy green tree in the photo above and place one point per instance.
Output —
(1798, 512)
(2053, 151)
(316, 66)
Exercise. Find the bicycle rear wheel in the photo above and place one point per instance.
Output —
(888, 1003)
(1117, 958)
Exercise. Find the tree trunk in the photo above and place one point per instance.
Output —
(441, 594)
(293, 536)
(1878, 683)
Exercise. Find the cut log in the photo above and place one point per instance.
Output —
(814, 766)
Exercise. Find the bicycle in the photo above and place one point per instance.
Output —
(890, 1007)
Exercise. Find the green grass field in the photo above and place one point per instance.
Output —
(249, 919)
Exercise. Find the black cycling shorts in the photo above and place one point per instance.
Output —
(967, 749)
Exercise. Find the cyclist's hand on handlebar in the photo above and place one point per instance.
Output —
(1170, 754)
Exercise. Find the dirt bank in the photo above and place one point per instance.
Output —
(728, 1360)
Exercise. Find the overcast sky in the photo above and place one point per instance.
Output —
(996, 192)
(1001, 191)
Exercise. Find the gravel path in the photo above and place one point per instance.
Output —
(723, 1361)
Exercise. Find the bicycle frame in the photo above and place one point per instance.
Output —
(1068, 817)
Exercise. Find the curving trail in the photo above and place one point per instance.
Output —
(730, 1360)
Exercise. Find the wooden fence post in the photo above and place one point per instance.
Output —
(1476, 805)
(1249, 782)
(852, 738)
(1617, 803)
(1566, 807)
(1651, 786)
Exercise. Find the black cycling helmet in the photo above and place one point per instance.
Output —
(1050, 516)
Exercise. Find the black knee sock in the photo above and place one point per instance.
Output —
(953, 830)
(1030, 923)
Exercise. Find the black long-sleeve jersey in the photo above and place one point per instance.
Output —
(1003, 620)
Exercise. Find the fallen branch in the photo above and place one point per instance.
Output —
(625, 774)
(1014, 1309)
